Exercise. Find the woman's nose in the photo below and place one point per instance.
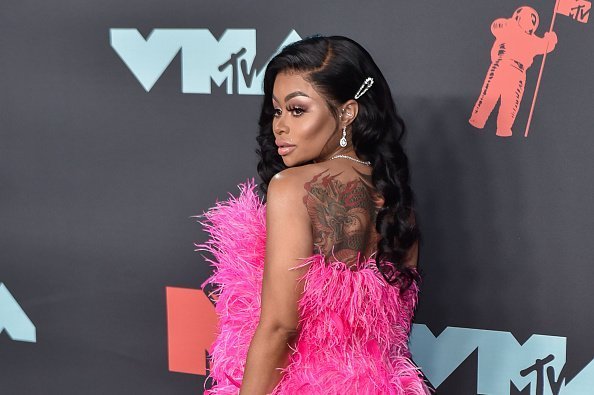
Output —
(279, 126)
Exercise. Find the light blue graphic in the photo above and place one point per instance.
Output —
(13, 319)
(204, 59)
(502, 360)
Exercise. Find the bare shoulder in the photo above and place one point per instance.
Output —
(290, 188)
(286, 183)
(286, 191)
(291, 181)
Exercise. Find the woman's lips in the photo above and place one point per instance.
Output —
(284, 150)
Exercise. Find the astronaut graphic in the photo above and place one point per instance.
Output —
(512, 54)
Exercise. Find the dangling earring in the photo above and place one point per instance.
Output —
(343, 142)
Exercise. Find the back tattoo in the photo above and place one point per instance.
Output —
(343, 216)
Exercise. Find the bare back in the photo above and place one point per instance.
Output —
(342, 205)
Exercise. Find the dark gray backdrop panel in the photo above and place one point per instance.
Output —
(99, 178)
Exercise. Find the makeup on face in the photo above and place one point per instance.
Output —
(302, 122)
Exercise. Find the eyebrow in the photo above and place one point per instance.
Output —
(292, 95)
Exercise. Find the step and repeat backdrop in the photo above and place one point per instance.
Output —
(122, 120)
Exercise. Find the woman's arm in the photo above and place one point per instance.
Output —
(288, 238)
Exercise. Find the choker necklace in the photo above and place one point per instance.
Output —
(351, 158)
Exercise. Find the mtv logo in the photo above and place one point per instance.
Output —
(204, 59)
(579, 10)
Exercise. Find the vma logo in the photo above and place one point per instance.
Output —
(502, 361)
(204, 59)
(536, 366)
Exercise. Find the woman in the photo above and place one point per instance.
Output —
(320, 280)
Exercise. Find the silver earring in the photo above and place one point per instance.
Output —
(343, 142)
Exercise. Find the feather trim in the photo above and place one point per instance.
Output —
(353, 325)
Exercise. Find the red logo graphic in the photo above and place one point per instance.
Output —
(515, 47)
(191, 329)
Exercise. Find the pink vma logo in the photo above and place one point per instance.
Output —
(515, 47)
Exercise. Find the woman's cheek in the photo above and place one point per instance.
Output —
(308, 128)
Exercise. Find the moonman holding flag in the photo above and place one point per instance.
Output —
(512, 54)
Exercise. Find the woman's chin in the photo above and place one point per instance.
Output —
(289, 162)
(294, 163)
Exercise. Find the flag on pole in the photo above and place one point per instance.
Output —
(579, 10)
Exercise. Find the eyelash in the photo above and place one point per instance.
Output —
(277, 111)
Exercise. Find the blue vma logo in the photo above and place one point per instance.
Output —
(538, 364)
(204, 59)
(13, 319)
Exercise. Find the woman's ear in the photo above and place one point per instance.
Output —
(348, 112)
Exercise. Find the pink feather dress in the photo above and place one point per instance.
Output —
(354, 326)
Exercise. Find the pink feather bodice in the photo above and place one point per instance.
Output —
(354, 326)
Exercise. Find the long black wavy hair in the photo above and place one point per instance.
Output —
(336, 67)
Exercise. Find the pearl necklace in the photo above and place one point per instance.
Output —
(351, 158)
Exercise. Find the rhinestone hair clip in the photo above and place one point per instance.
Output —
(364, 87)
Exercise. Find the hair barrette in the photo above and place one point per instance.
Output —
(364, 87)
